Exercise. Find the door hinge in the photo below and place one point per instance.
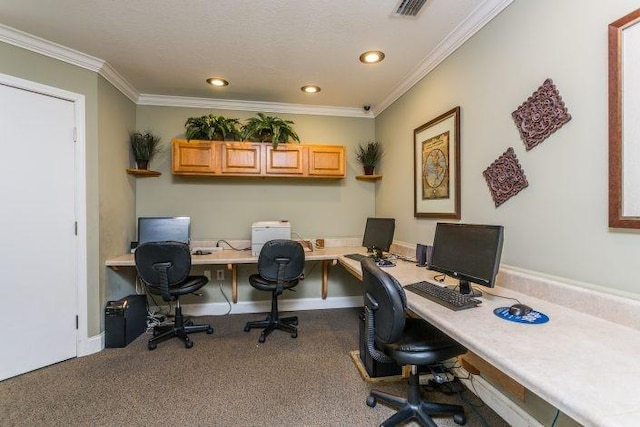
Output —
(75, 134)
(77, 322)
(76, 228)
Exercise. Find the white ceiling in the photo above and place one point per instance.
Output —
(267, 49)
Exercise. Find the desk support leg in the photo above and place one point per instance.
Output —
(234, 282)
(325, 275)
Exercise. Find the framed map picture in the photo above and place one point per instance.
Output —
(437, 167)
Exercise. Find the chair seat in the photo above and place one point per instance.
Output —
(263, 284)
(422, 343)
(189, 285)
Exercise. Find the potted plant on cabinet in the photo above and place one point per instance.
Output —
(211, 127)
(263, 128)
(144, 146)
(369, 155)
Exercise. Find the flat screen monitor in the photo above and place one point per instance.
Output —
(161, 229)
(378, 235)
(468, 252)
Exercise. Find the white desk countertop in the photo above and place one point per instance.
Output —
(582, 364)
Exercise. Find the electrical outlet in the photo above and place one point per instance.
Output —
(220, 274)
(207, 274)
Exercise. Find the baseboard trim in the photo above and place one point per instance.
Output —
(500, 403)
(91, 345)
(219, 308)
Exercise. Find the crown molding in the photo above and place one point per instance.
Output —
(231, 104)
(119, 82)
(45, 47)
(463, 32)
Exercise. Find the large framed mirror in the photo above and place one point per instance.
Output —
(624, 121)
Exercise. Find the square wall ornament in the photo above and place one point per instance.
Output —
(540, 115)
(505, 177)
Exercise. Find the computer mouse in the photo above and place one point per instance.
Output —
(384, 263)
(201, 252)
(520, 309)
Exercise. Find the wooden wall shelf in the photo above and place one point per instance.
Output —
(368, 177)
(145, 173)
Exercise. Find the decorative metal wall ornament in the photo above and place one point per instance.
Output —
(505, 177)
(540, 115)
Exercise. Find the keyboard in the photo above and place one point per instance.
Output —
(356, 257)
(443, 296)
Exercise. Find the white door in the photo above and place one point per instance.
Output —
(38, 251)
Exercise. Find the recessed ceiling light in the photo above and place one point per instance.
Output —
(371, 57)
(217, 81)
(310, 88)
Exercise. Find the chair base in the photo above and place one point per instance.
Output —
(288, 324)
(179, 329)
(414, 407)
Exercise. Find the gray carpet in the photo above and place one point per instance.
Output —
(226, 379)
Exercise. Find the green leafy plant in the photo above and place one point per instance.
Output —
(370, 154)
(212, 127)
(264, 128)
(145, 146)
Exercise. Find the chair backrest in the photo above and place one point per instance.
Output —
(276, 253)
(384, 296)
(152, 259)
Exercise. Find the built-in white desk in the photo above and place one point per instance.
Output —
(231, 258)
(581, 363)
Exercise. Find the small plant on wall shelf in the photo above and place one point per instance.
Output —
(211, 127)
(263, 128)
(144, 146)
(369, 156)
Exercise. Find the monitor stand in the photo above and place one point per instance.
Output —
(465, 288)
(377, 252)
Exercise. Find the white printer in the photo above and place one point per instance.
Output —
(263, 231)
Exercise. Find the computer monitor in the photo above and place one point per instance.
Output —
(378, 235)
(160, 229)
(468, 252)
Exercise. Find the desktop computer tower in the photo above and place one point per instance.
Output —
(124, 320)
(373, 367)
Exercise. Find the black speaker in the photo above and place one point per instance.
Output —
(423, 255)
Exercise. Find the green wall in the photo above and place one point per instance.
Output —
(226, 208)
(558, 225)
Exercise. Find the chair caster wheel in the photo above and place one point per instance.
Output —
(371, 401)
(247, 328)
(209, 330)
(188, 344)
(460, 419)
(261, 339)
(152, 346)
(294, 335)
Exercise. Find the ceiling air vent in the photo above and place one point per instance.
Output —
(409, 7)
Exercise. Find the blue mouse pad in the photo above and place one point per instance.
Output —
(534, 317)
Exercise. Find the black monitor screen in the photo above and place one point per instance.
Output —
(468, 252)
(160, 229)
(378, 234)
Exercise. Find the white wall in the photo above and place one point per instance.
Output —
(558, 225)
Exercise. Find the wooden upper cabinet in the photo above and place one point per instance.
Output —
(287, 159)
(194, 157)
(241, 158)
(326, 160)
(218, 158)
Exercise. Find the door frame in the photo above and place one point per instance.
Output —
(83, 344)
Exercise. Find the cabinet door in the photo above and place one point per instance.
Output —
(287, 159)
(326, 160)
(241, 158)
(194, 157)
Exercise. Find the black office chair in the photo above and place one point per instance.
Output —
(393, 336)
(164, 268)
(280, 267)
